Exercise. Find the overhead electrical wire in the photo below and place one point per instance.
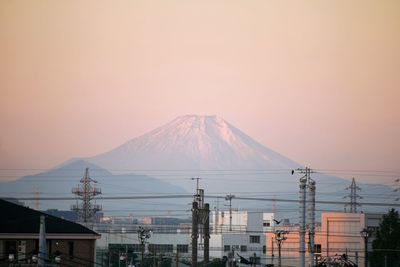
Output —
(212, 196)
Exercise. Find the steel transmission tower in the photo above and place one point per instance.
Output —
(36, 192)
(353, 196)
(86, 192)
(397, 189)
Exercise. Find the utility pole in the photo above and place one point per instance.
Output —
(306, 182)
(229, 198)
(216, 219)
(195, 224)
(353, 196)
(200, 216)
(197, 196)
(311, 219)
(86, 193)
(302, 230)
(206, 237)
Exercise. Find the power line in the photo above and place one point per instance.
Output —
(325, 202)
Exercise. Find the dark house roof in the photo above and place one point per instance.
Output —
(16, 219)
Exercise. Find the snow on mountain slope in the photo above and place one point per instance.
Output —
(193, 142)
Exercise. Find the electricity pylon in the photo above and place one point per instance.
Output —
(353, 196)
(86, 192)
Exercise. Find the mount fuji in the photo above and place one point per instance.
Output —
(225, 158)
(167, 159)
(193, 142)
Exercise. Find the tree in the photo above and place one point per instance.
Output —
(386, 246)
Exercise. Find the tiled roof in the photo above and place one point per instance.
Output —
(16, 219)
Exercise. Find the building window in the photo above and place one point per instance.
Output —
(160, 248)
(227, 248)
(267, 223)
(182, 248)
(264, 249)
(317, 248)
(255, 239)
(243, 248)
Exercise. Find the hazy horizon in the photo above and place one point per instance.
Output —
(317, 82)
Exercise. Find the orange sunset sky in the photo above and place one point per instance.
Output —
(317, 81)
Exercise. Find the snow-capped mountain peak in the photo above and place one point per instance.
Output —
(193, 142)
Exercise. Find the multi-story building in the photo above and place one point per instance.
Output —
(252, 235)
(244, 236)
(338, 234)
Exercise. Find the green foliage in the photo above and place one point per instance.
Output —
(386, 245)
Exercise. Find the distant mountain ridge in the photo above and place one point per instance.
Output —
(227, 160)
(58, 182)
(164, 160)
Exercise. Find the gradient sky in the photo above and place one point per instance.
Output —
(317, 81)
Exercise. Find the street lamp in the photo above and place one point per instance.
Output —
(365, 233)
(143, 235)
(280, 237)
(57, 260)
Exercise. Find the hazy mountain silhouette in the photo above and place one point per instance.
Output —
(59, 182)
(226, 159)
(164, 160)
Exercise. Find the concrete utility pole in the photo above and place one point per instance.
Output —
(302, 221)
(311, 219)
(200, 215)
(229, 198)
(353, 196)
(306, 182)
(206, 224)
(195, 224)
(86, 193)
(197, 196)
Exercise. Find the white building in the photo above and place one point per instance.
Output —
(246, 237)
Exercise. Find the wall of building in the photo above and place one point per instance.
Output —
(82, 254)
(339, 234)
